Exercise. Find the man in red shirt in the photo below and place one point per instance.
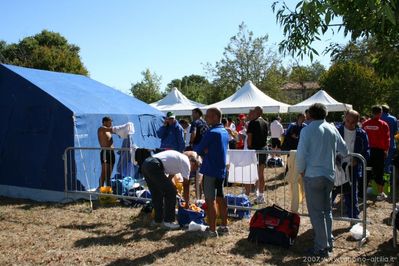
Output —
(240, 129)
(378, 133)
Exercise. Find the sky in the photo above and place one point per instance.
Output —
(120, 39)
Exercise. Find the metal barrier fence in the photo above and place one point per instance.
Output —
(83, 170)
(287, 191)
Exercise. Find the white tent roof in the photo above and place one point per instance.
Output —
(248, 97)
(176, 102)
(320, 97)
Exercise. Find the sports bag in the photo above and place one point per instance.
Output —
(193, 214)
(275, 162)
(241, 201)
(274, 225)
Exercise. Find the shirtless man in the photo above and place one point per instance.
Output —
(107, 157)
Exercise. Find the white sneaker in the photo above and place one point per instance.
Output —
(170, 226)
(382, 196)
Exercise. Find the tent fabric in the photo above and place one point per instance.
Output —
(45, 112)
(176, 102)
(320, 97)
(248, 97)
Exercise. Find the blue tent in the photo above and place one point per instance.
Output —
(45, 112)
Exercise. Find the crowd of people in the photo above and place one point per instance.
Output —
(203, 144)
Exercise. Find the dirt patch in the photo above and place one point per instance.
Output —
(72, 234)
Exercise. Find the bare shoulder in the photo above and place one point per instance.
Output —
(104, 129)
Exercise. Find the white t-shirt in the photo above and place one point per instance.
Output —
(174, 163)
(187, 136)
(350, 137)
(233, 127)
(276, 129)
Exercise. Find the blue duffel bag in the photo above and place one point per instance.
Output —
(241, 200)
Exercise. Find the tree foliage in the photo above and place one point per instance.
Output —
(46, 50)
(356, 84)
(245, 58)
(385, 61)
(148, 89)
(309, 19)
(194, 87)
(302, 74)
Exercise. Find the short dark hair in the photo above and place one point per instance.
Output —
(106, 119)
(230, 119)
(198, 111)
(385, 108)
(183, 122)
(224, 121)
(300, 115)
(376, 109)
(318, 111)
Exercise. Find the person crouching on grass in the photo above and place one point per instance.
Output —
(158, 172)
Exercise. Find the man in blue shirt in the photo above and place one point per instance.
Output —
(198, 127)
(393, 129)
(171, 134)
(213, 149)
(315, 161)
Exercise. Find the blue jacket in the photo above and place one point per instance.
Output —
(172, 137)
(213, 149)
(361, 145)
(393, 128)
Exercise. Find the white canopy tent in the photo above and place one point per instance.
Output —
(248, 97)
(176, 102)
(320, 97)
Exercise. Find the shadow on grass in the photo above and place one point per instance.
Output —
(294, 255)
(26, 204)
(135, 231)
(85, 227)
(385, 251)
(184, 240)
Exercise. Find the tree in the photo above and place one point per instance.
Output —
(46, 50)
(356, 84)
(367, 52)
(148, 89)
(245, 58)
(309, 19)
(194, 87)
(276, 76)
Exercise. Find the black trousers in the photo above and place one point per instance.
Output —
(377, 162)
(163, 192)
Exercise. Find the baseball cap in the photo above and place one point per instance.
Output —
(242, 116)
(170, 115)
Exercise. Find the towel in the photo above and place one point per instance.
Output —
(243, 166)
(124, 130)
(294, 178)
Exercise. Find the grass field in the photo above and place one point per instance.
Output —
(33, 233)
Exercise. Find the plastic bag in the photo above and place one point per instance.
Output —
(193, 226)
(357, 231)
